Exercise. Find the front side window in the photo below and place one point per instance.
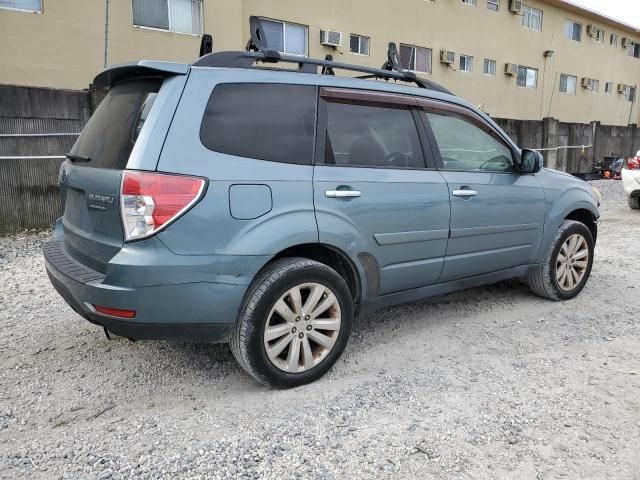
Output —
(573, 30)
(359, 44)
(465, 146)
(568, 84)
(273, 122)
(489, 67)
(527, 77)
(24, 5)
(466, 63)
(371, 136)
(531, 18)
(182, 16)
(417, 59)
(286, 37)
(493, 5)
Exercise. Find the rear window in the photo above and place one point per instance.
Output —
(273, 122)
(109, 137)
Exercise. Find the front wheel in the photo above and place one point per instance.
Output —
(567, 266)
(634, 202)
(294, 323)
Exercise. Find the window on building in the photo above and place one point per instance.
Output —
(489, 67)
(469, 2)
(359, 44)
(630, 93)
(417, 59)
(573, 30)
(248, 120)
(465, 146)
(286, 37)
(372, 136)
(568, 84)
(595, 85)
(466, 63)
(608, 87)
(493, 5)
(600, 35)
(527, 77)
(183, 16)
(531, 18)
(634, 50)
(613, 40)
(24, 5)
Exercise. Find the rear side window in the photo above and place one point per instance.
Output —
(371, 136)
(113, 129)
(274, 122)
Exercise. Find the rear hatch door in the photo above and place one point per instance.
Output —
(91, 179)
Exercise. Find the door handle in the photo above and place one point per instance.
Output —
(464, 193)
(342, 193)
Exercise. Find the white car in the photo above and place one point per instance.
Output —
(631, 181)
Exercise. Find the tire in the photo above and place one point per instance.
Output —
(303, 360)
(634, 202)
(544, 279)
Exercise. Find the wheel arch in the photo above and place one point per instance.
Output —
(332, 257)
(587, 218)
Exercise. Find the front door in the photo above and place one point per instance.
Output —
(374, 196)
(497, 214)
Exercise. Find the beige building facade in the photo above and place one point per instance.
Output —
(565, 62)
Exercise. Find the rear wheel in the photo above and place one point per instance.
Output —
(634, 203)
(294, 324)
(568, 264)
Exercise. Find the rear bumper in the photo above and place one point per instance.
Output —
(189, 310)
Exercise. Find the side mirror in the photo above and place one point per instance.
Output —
(531, 161)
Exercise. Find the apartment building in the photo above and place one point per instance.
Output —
(521, 59)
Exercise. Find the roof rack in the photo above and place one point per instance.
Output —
(258, 51)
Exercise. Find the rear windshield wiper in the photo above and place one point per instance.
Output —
(77, 158)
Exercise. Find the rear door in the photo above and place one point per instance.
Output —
(376, 195)
(90, 181)
(497, 214)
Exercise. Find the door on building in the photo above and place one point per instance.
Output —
(489, 231)
(377, 194)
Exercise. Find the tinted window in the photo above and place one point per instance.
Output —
(109, 136)
(464, 146)
(371, 136)
(264, 121)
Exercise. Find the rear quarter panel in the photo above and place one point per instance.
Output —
(209, 228)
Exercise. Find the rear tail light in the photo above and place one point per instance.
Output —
(151, 201)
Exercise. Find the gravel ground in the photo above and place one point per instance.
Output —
(489, 383)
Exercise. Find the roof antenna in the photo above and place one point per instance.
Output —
(258, 40)
(206, 45)
(327, 70)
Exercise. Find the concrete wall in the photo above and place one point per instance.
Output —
(64, 47)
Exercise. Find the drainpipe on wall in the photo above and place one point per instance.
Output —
(106, 32)
(635, 96)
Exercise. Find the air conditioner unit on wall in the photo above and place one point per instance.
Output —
(331, 38)
(587, 83)
(511, 69)
(622, 88)
(515, 6)
(626, 42)
(447, 57)
(592, 30)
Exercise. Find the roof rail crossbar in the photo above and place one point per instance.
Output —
(308, 65)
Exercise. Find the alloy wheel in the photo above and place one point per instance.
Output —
(302, 327)
(572, 262)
